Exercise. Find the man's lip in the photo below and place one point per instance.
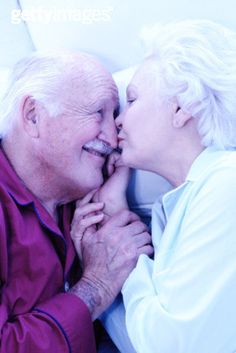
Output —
(100, 156)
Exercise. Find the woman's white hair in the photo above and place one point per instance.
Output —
(197, 61)
(39, 76)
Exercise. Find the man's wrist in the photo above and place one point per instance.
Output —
(86, 291)
(93, 293)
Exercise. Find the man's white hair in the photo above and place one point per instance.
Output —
(197, 61)
(40, 76)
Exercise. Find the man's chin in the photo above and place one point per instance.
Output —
(99, 182)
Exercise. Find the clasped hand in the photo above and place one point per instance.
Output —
(107, 236)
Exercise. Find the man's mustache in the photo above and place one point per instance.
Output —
(99, 146)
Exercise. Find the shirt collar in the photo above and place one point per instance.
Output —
(208, 157)
(204, 161)
(23, 196)
(13, 183)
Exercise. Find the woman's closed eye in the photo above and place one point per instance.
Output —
(130, 100)
(131, 95)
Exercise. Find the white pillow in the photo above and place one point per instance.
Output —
(144, 187)
(4, 73)
(109, 28)
(15, 41)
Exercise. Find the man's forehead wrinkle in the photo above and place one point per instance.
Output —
(74, 109)
(82, 66)
(87, 79)
(98, 92)
(91, 95)
(88, 87)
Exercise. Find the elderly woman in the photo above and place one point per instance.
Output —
(180, 122)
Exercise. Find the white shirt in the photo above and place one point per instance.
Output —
(184, 301)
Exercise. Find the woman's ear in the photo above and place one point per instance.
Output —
(30, 116)
(180, 118)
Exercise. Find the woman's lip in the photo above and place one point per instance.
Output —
(120, 143)
(120, 139)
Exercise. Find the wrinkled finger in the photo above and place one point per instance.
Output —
(86, 223)
(76, 238)
(147, 250)
(85, 210)
(143, 239)
(86, 199)
(78, 248)
(80, 226)
(136, 227)
(112, 162)
(110, 169)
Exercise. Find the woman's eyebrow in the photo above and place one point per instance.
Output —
(130, 90)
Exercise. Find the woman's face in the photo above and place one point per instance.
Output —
(146, 122)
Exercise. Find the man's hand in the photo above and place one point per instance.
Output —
(113, 191)
(109, 255)
(87, 215)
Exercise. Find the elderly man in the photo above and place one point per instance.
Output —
(57, 127)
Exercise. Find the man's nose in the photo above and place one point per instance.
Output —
(118, 121)
(109, 133)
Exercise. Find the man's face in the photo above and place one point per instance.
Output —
(70, 164)
(145, 123)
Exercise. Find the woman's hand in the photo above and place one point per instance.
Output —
(113, 192)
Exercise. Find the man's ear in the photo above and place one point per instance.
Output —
(180, 118)
(30, 116)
